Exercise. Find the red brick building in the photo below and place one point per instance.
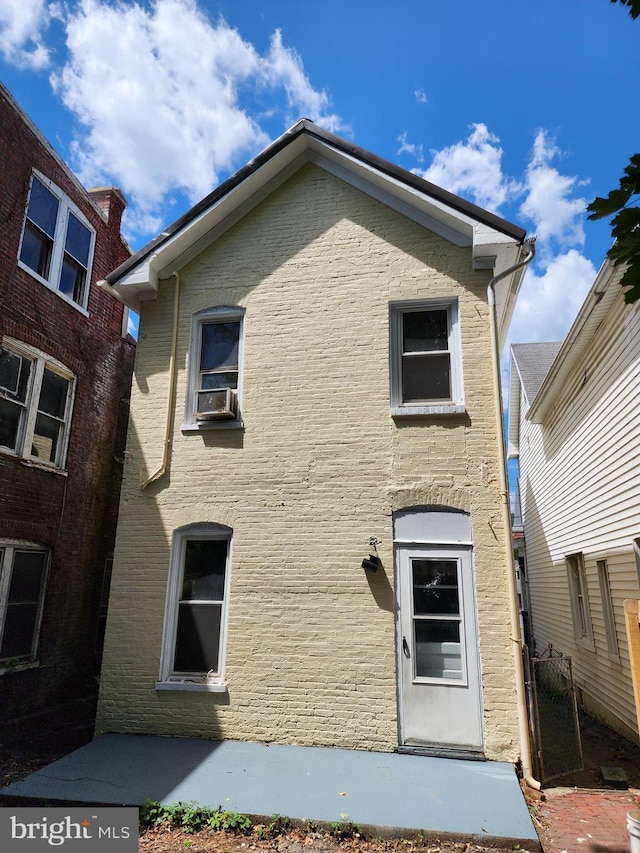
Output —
(65, 373)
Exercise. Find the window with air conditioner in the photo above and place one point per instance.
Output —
(57, 242)
(36, 399)
(214, 393)
(425, 358)
(196, 609)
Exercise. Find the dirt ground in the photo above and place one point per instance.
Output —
(154, 841)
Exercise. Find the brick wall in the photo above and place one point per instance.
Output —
(72, 513)
(318, 469)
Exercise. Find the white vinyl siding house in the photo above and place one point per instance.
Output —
(578, 447)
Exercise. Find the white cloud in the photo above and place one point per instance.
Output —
(473, 169)
(283, 67)
(409, 148)
(549, 299)
(557, 217)
(420, 96)
(548, 303)
(171, 115)
(21, 25)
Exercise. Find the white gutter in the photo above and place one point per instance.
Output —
(521, 694)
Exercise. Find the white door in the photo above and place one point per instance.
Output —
(439, 673)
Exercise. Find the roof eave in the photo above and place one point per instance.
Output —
(495, 242)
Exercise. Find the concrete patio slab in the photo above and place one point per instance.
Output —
(385, 790)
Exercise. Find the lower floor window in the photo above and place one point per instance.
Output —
(196, 608)
(23, 573)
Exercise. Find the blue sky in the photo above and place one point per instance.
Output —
(529, 110)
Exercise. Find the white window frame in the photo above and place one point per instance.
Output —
(218, 314)
(607, 610)
(579, 597)
(454, 405)
(8, 548)
(66, 206)
(24, 441)
(212, 682)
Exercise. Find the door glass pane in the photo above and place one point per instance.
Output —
(219, 345)
(426, 377)
(435, 587)
(437, 649)
(424, 331)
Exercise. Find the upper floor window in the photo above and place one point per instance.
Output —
(426, 364)
(36, 396)
(57, 242)
(196, 608)
(214, 392)
(23, 573)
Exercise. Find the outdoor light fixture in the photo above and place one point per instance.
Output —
(371, 563)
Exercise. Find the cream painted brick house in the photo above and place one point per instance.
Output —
(315, 384)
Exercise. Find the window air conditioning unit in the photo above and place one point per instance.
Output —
(218, 404)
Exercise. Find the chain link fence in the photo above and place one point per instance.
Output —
(554, 715)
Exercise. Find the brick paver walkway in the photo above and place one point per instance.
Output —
(582, 821)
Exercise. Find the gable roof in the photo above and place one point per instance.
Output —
(495, 242)
(528, 366)
(532, 363)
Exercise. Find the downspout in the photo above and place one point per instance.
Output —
(168, 430)
(521, 696)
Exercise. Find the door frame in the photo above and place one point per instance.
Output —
(431, 528)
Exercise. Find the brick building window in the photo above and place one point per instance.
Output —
(23, 575)
(196, 609)
(57, 242)
(425, 358)
(36, 398)
(214, 395)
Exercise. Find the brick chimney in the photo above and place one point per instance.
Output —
(112, 203)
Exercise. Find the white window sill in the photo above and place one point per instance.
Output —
(436, 409)
(198, 686)
(206, 426)
(5, 668)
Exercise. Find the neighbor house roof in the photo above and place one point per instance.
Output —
(541, 369)
(528, 366)
(495, 243)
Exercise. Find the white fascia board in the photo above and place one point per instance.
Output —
(141, 282)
